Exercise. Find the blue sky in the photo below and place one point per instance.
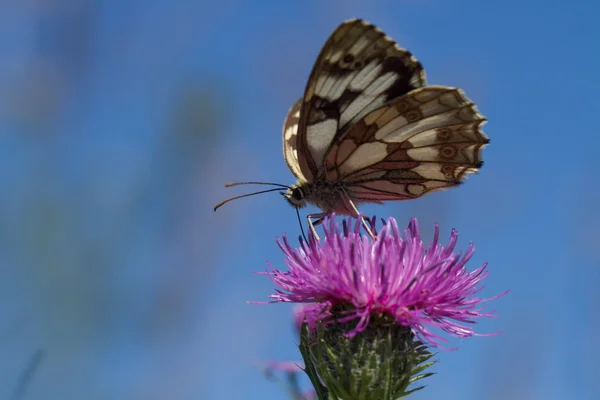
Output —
(120, 123)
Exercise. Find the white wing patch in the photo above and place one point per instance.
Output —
(319, 137)
(372, 97)
(365, 155)
(364, 77)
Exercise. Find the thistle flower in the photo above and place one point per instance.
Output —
(370, 306)
(392, 275)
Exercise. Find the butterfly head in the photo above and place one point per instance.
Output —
(296, 196)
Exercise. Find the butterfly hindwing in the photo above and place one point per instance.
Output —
(290, 134)
(358, 70)
(429, 139)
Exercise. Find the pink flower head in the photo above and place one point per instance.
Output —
(392, 274)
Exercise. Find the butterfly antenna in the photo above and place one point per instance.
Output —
(244, 195)
(257, 183)
(300, 222)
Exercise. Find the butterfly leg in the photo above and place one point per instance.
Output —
(366, 222)
(357, 213)
(319, 219)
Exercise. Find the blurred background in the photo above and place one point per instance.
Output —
(121, 121)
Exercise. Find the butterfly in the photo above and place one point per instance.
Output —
(368, 129)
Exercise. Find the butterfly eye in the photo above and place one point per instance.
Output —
(297, 194)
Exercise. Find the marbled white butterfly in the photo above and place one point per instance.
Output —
(368, 129)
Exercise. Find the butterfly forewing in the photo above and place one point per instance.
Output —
(358, 70)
